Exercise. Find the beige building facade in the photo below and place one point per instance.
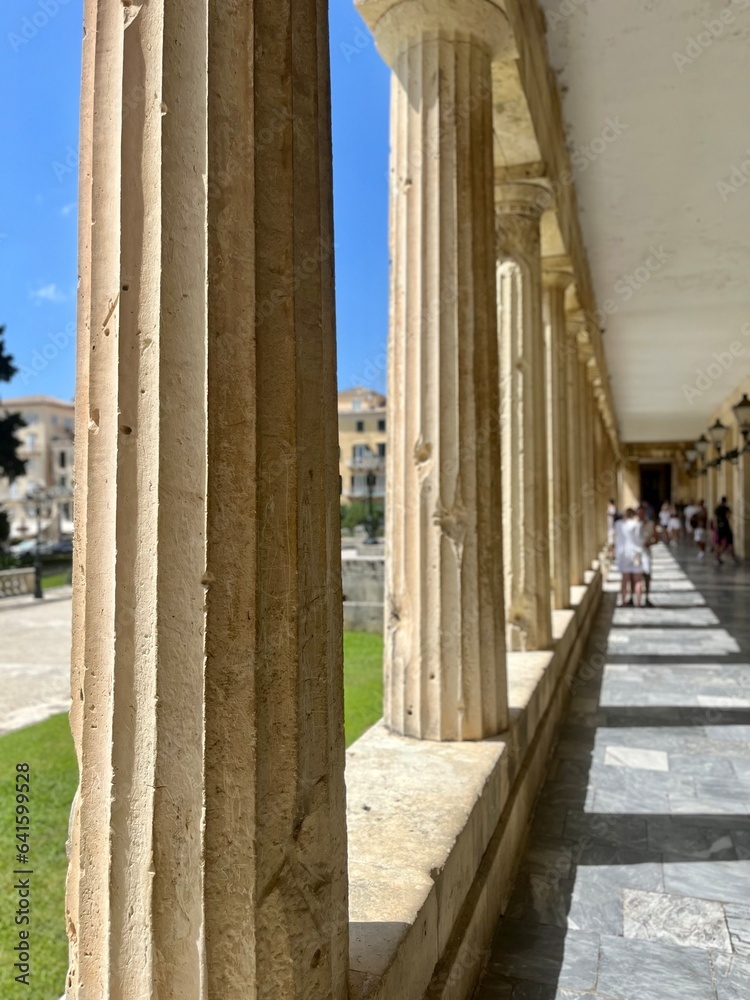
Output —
(223, 844)
(362, 443)
(48, 447)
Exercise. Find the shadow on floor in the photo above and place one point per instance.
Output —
(635, 883)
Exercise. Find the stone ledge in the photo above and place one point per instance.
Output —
(433, 827)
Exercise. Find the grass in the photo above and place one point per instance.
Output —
(363, 682)
(48, 749)
(55, 579)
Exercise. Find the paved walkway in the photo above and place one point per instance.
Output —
(34, 658)
(635, 884)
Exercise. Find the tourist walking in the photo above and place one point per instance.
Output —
(690, 511)
(674, 526)
(724, 533)
(700, 528)
(664, 515)
(629, 551)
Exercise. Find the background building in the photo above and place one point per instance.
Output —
(48, 442)
(362, 442)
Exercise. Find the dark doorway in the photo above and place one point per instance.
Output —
(656, 484)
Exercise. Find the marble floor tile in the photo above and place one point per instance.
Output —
(636, 881)
(624, 830)
(645, 970)
(671, 835)
(540, 898)
(629, 801)
(635, 757)
(731, 977)
(546, 955)
(596, 904)
(545, 856)
(681, 804)
(696, 766)
(738, 922)
(653, 916)
(723, 881)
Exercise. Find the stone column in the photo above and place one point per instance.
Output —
(555, 283)
(523, 405)
(574, 454)
(445, 673)
(586, 431)
(208, 841)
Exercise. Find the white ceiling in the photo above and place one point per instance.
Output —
(654, 185)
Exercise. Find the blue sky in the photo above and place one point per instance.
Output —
(40, 53)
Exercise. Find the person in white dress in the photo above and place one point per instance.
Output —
(629, 552)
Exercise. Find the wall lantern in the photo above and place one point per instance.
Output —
(742, 415)
(717, 433)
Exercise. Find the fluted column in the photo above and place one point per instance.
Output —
(445, 675)
(575, 474)
(586, 431)
(208, 839)
(555, 283)
(524, 428)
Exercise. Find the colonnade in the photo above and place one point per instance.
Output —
(208, 842)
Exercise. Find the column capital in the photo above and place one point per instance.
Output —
(526, 199)
(397, 23)
(555, 274)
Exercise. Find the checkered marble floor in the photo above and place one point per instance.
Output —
(635, 884)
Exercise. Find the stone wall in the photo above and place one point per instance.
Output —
(363, 586)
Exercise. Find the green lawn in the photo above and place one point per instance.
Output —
(48, 749)
(363, 682)
(55, 579)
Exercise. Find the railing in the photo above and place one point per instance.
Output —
(362, 493)
(16, 581)
(370, 463)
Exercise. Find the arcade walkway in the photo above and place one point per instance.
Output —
(635, 883)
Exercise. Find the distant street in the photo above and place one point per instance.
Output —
(34, 658)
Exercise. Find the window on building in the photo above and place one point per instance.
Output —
(352, 481)
(360, 451)
(61, 481)
(31, 441)
(381, 425)
(63, 459)
(68, 425)
(360, 425)
(357, 404)
(31, 418)
(53, 420)
(381, 449)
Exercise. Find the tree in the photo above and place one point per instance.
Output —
(10, 464)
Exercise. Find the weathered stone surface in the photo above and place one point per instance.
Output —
(444, 644)
(208, 841)
(523, 410)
